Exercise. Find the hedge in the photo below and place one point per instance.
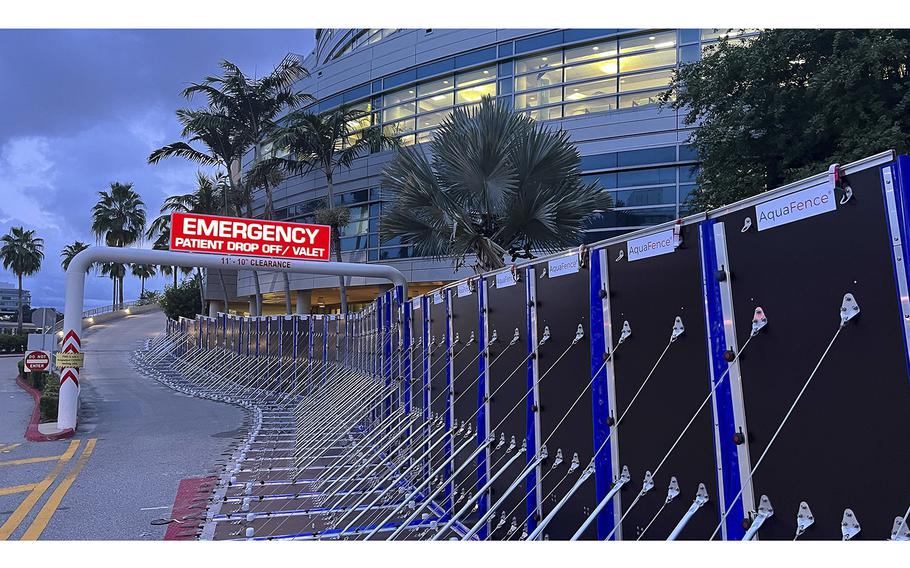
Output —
(12, 343)
(49, 385)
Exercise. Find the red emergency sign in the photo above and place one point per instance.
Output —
(252, 237)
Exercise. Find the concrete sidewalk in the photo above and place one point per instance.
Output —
(149, 438)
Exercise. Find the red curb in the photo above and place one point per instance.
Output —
(31, 433)
(187, 492)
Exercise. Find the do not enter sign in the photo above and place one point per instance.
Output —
(37, 360)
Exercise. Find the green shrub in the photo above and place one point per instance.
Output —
(12, 343)
(21, 365)
(182, 301)
(50, 396)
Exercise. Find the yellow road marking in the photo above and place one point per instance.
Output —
(16, 489)
(7, 447)
(24, 461)
(24, 508)
(50, 507)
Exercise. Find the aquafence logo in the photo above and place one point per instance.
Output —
(795, 207)
(651, 245)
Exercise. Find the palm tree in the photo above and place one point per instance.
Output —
(206, 199)
(119, 219)
(70, 251)
(498, 183)
(240, 111)
(22, 253)
(143, 272)
(327, 142)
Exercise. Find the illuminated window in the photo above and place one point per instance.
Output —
(649, 42)
(432, 120)
(539, 62)
(538, 98)
(639, 99)
(592, 52)
(591, 70)
(397, 112)
(582, 91)
(407, 140)
(398, 97)
(647, 60)
(436, 102)
(474, 94)
(423, 137)
(549, 113)
(589, 106)
(652, 80)
(400, 127)
(538, 80)
(434, 87)
(475, 77)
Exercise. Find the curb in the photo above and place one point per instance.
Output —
(186, 522)
(31, 433)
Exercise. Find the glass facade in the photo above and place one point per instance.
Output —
(547, 77)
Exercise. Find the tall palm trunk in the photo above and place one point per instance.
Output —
(233, 178)
(121, 290)
(114, 299)
(223, 290)
(336, 242)
(175, 276)
(19, 321)
(201, 295)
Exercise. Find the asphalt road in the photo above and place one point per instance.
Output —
(148, 439)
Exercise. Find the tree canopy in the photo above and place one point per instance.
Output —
(789, 103)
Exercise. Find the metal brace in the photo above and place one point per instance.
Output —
(515, 337)
(747, 224)
(837, 179)
(701, 497)
(470, 339)
(626, 332)
(759, 321)
(575, 463)
(678, 328)
(621, 255)
(673, 490)
(804, 519)
(493, 338)
(900, 531)
(647, 484)
(848, 309)
(558, 459)
(546, 335)
(765, 511)
(849, 526)
(579, 333)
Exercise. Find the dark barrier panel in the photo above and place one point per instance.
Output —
(440, 374)
(465, 322)
(844, 446)
(563, 390)
(506, 313)
(649, 292)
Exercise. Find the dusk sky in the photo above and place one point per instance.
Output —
(84, 108)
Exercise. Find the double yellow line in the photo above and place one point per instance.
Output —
(50, 507)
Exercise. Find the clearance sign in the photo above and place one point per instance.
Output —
(254, 237)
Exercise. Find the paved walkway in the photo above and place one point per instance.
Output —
(136, 440)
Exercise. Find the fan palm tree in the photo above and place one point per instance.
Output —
(206, 199)
(22, 253)
(143, 272)
(240, 110)
(497, 184)
(70, 251)
(119, 219)
(326, 142)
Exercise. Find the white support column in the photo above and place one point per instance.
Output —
(304, 301)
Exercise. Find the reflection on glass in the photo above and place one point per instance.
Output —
(639, 99)
(539, 79)
(474, 94)
(652, 80)
(591, 70)
(647, 42)
(432, 120)
(397, 112)
(647, 60)
(400, 127)
(591, 52)
(582, 91)
(538, 98)
(589, 106)
(549, 113)
(398, 97)
(436, 102)
(542, 61)
(475, 77)
(433, 87)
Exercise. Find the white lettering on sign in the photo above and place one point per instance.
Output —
(505, 279)
(437, 298)
(464, 289)
(651, 245)
(563, 266)
(796, 207)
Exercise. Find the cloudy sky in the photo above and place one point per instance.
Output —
(84, 108)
